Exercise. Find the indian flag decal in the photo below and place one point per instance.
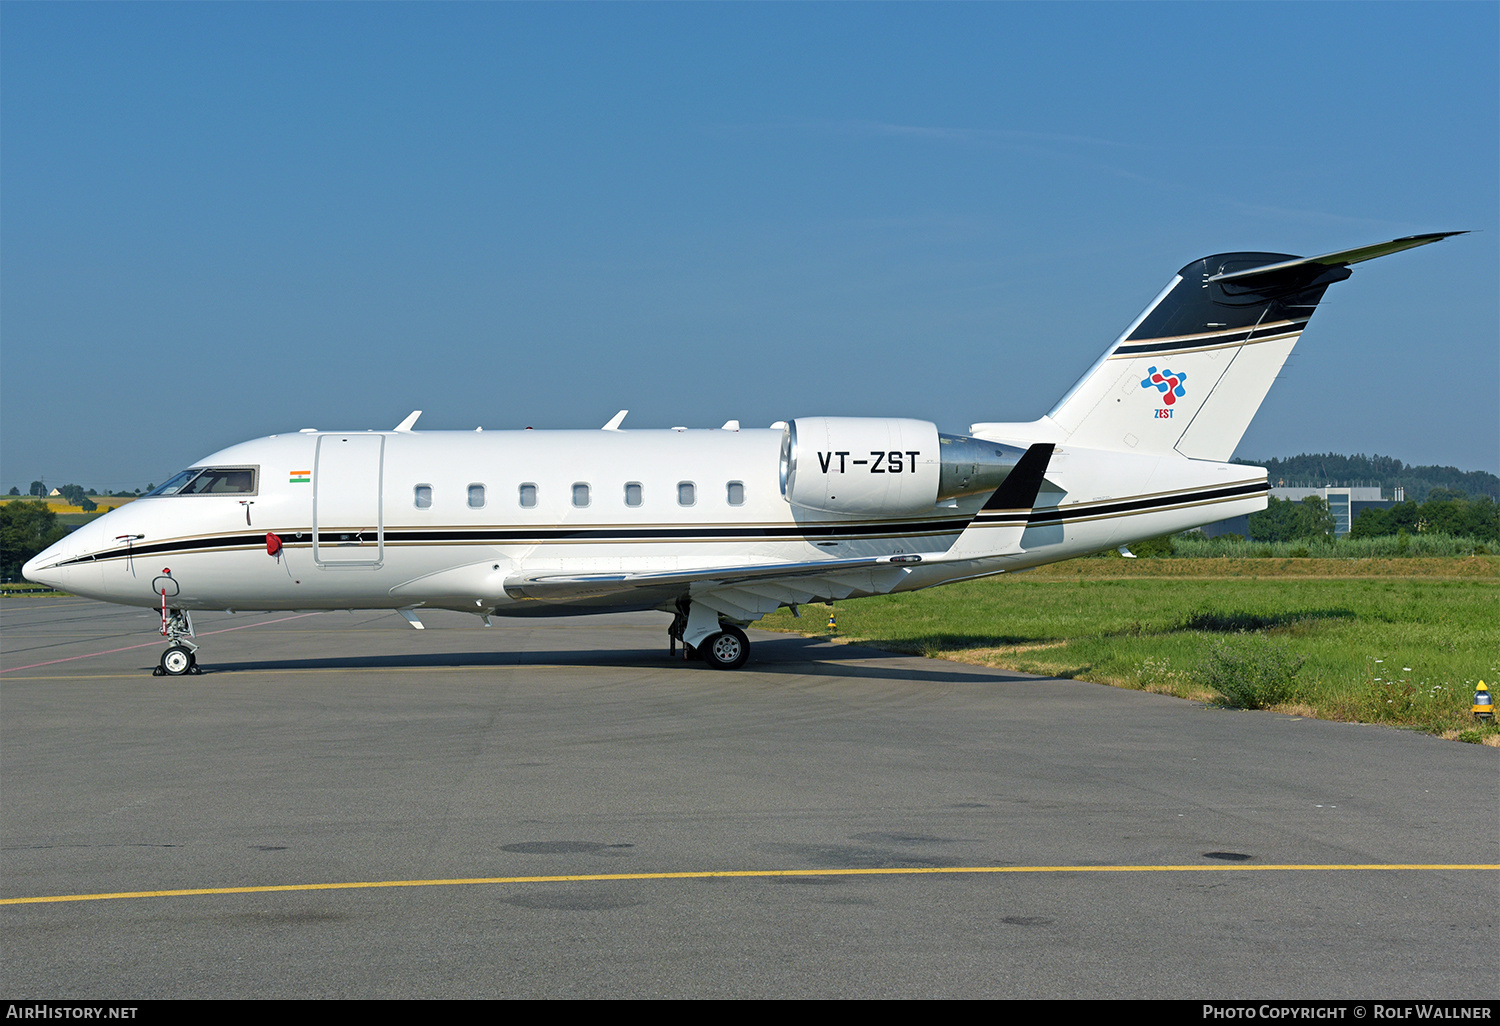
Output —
(300, 477)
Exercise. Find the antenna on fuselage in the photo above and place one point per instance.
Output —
(615, 421)
(405, 425)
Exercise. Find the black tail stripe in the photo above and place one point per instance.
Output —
(1202, 343)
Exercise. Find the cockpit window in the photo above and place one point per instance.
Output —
(173, 486)
(210, 481)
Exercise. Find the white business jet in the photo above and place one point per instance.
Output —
(720, 527)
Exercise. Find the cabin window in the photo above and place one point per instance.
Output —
(633, 493)
(687, 493)
(528, 495)
(580, 494)
(736, 494)
(476, 496)
(422, 496)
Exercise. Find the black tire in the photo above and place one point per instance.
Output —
(177, 660)
(726, 650)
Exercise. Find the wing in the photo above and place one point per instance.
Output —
(749, 590)
(551, 584)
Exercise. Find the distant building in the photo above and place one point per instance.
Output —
(1345, 504)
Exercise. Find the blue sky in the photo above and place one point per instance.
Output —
(219, 221)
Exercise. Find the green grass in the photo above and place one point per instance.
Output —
(27, 588)
(1192, 546)
(1397, 650)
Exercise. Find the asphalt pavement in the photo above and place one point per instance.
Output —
(549, 808)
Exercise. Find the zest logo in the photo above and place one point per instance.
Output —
(1168, 383)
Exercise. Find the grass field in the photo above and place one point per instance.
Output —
(1400, 641)
(73, 516)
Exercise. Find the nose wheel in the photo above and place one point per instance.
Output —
(177, 661)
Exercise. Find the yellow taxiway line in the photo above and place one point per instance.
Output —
(749, 873)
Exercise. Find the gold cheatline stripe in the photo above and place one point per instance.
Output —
(1201, 349)
(719, 874)
(1287, 323)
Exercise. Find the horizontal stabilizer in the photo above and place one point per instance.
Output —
(1289, 270)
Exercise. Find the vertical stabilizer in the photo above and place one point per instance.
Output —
(1192, 370)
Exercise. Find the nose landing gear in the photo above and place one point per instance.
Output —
(181, 656)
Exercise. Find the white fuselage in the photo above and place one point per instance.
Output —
(445, 518)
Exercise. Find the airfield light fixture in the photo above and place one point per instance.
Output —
(1484, 708)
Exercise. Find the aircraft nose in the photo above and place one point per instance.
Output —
(40, 569)
(52, 565)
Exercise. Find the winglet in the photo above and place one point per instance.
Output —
(615, 421)
(405, 425)
(996, 530)
(1021, 485)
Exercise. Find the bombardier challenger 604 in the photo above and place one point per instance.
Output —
(720, 527)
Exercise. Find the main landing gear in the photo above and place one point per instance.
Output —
(181, 656)
(721, 645)
(726, 650)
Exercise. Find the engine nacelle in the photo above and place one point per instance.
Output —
(871, 466)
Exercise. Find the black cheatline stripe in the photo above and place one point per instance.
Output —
(398, 535)
(1055, 513)
(1083, 511)
(171, 548)
(534, 535)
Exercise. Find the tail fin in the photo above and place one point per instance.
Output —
(1192, 370)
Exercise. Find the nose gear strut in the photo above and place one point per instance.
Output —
(181, 656)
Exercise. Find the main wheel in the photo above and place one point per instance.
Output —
(177, 660)
(726, 650)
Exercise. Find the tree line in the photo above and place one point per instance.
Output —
(1328, 469)
(1445, 512)
(26, 528)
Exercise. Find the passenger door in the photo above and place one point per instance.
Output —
(348, 528)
